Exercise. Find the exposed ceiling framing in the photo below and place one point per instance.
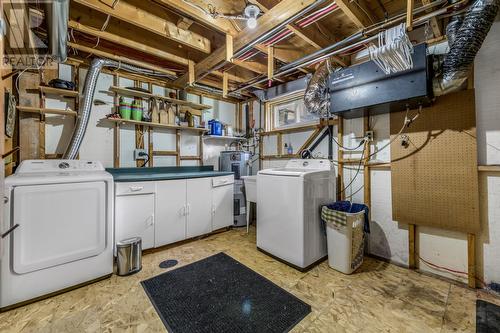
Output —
(179, 37)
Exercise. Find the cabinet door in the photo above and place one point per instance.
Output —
(199, 206)
(223, 206)
(134, 217)
(170, 211)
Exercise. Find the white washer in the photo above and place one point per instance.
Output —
(288, 215)
(63, 210)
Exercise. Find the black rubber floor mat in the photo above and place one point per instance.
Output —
(487, 317)
(219, 294)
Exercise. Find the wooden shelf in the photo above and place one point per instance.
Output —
(32, 109)
(224, 137)
(488, 168)
(145, 123)
(141, 94)
(60, 92)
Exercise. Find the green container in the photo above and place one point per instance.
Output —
(136, 114)
(125, 111)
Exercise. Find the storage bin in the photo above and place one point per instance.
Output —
(345, 239)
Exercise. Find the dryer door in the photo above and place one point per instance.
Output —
(58, 223)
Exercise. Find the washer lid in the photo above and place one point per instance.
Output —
(299, 167)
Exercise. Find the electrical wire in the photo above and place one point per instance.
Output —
(357, 172)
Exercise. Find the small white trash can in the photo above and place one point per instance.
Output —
(345, 239)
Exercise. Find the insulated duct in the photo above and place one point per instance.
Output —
(316, 97)
(57, 15)
(465, 39)
(88, 95)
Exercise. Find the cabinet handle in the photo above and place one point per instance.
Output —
(151, 220)
(188, 209)
(136, 188)
(182, 211)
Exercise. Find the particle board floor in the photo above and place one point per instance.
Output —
(379, 297)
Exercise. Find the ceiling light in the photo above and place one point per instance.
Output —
(252, 12)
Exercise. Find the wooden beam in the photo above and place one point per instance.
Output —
(128, 43)
(229, 47)
(436, 29)
(340, 158)
(184, 23)
(225, 84)
(410, 4)
(191, 72)
(119, 58)
(281, 12)
(471, 260)
(412, 257)
(354, 13)
(270, 62)
(221, 25)
(129, 13)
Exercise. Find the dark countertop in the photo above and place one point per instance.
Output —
(164, 173)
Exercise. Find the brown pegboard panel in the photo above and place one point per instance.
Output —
(435, 179)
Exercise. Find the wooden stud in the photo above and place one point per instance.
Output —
(354, 13)
(229, 48)
(116, 146)
(225, 84)
(366, 170)
(340, 158)
(165, 153)
(191, 72)
(279, 146)
(201, 150)
(412, 253)
(409, 14)
(184, 23)
(436, 29)
(178, 147)
(471, 260)
(270, 62)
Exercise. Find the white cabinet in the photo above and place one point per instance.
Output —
(170, 212)
(222, 203)
(198, 206)
(135, 217)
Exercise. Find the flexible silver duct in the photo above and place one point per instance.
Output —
(465, 40)
(88, 95)
(57, 13)
(316, 97)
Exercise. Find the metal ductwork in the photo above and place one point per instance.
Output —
(57, 16)
(316, 97)
(465, 37)
(88, 95)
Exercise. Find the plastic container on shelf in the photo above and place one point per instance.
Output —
(137, 110)
(125, 109)
(345, 239)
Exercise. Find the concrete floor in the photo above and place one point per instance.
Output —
(379, 297)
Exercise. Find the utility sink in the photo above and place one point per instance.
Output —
(250, 187)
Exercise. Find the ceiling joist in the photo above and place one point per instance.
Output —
(129, 13)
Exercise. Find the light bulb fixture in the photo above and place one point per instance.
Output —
(252, 12)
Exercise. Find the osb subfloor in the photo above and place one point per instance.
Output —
(379, 297)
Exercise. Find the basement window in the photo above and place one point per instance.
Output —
(290, 112)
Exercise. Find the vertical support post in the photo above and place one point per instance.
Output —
(471, 260)
(150, 146)
(225, 84)
(41, 126)
(409, 14)
(178, 147)
(201, 149)
(270, 62)
(366, 169)
(412, 258)
(330, 142)
(229, 48)
(340, 158)
(191, 76)
(279, 145)
(116, 146)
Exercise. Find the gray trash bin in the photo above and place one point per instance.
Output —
(129, 256)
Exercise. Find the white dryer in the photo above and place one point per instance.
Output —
(288, 215)
(57, 229)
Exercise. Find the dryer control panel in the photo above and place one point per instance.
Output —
(36, 166)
